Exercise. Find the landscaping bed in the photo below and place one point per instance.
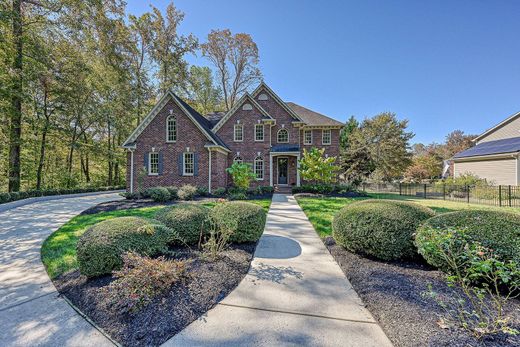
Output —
(393, 292)
(207, 283)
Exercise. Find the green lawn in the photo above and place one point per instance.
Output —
(59, 249)
(320, 211)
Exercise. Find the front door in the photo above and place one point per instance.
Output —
(282, 170)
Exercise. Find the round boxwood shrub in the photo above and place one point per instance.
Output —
(380, 228)
(100, 248)
(186, 220)
(245, 220)
(158, 194)
(497, 230)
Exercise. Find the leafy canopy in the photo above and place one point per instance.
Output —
(316, 167)
(242, 174)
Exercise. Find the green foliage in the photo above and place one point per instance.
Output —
(499, 231)
(242, 174)
(158, 194)
(324, 188)
(13, 196)
(173, 192)
(316, 167)
(187, 221)
(466, 179)
(237, 196)
(380, 228)
(187, 192)
(202, 191)
(100, 248)
(219, 191)
(350, 126)
(140, 280)
(245, 220)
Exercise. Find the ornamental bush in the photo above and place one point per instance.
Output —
(187, 221)
(187, 192)
(173, 192)
(100, 248)
(380, 228)
(495, 230)
(245, 220)
(158, 194)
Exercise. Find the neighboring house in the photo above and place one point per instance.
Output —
(175, 145)
(496, 154)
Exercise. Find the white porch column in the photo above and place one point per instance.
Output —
(271, 169)
(298, 170)
(131, 170)
(209, 170)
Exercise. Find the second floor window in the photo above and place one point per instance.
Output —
(283, 136)
(259, 132)
(153, 163)
(239, 132)
(307, 137)
(326, 137)
(188, 165)
(171, 129)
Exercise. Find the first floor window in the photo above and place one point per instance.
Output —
(239, 132)
(307, 137)
(153, 163)
(326, 137)
(283, 136)
(188, 165)
(259, 168)
(238, 160)
(171, 129)
(259, 132)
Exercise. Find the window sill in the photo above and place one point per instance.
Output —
(259, 140)
(153, 174)
(187, 175)
(171, 141)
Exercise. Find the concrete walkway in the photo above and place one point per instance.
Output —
(294, 295)
(31, 314)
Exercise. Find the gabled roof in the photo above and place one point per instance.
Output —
(237, 105)
(511, 145)
(499, 125)
(276, 98)
(311, 117)
(202, 123)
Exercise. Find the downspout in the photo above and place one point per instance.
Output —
(131, 171)
(209, 170)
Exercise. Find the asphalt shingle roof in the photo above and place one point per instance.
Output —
(510, 145)
(311, 117)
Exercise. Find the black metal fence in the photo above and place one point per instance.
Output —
(485, 195)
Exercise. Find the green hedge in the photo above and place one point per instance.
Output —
(187, 220)
(244, 219)
(497, 230)
(100, 248)
(380, 228)
(159, 194)
(14, 196)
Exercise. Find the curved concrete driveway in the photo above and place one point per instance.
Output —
(31, 314)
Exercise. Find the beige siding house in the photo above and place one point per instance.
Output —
(496, 154)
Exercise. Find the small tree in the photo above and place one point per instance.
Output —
(242, 174)
(316, 167)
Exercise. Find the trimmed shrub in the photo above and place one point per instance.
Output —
(245, 220)
(158, 194)
(202, 191)
(187, 192)
(380, 228)
(187, 221)
(495, 230)
(5, 197)
(219, 191)
(100, 248)
(266, 189)
(173, 192)
(237, 196)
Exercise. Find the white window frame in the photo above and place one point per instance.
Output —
(323, 132)
(263, 133)
(238, 159)
(241, 127)
(184, 173)
(305, 142)
(258, 160)
(150, 172)
(170, 117)
(278, 136)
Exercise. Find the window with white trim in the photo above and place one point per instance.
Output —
(307, 137)
(188, 164)
(259, 168)
(153, 163)
(238, 159)
(283, 136)
(238, 132)
(259, 132)
(326, 137)
(171, 129)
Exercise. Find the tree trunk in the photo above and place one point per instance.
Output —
(43, 144)
(15, 130)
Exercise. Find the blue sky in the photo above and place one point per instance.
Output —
(443, 65)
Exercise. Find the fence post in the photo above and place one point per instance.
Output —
(424, 190)
(510, 196)
(467, 194)
(400, 189)
(500, 195)
(444, 191)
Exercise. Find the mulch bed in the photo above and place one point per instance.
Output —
(207, 284)
(393, 294)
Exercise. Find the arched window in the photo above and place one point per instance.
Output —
(238, 159)
(171, 129)
(283, 136)
(259, 168)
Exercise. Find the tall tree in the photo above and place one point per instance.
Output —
(203, 95)
(236, 59)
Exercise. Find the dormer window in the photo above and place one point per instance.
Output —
(238, 133)
(283, 136)
(171, 128)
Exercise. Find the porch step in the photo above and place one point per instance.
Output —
(283, 189)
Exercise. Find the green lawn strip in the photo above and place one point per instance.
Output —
(321, 211)
(59, 249)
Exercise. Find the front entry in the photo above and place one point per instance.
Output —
(282, 170)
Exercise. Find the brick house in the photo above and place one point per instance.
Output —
(175, 145)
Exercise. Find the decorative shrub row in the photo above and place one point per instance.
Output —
(188, 221)
(324, 188)
(245, 220)
(13, 196)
